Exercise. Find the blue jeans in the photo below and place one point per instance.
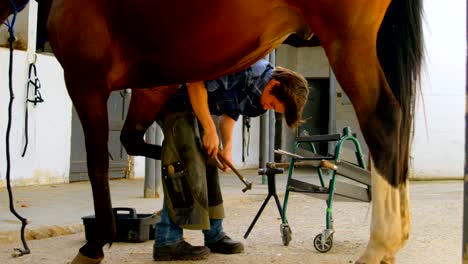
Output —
(168, 233)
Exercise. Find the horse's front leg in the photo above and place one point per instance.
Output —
(145, 104)
(90, 101)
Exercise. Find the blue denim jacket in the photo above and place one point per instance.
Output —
(233, 95)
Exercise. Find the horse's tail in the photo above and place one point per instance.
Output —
(400, 51)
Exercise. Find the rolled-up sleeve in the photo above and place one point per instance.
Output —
(212, 85)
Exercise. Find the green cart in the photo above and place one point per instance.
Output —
(357, 187)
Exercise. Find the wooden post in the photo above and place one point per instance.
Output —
(465, 196)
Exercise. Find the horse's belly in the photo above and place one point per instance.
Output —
(184, 51)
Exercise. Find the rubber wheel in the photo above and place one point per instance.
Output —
(326, 246)
(286, 234)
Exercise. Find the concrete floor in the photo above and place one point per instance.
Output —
(56, 210)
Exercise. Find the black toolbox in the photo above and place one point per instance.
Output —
(131, 227)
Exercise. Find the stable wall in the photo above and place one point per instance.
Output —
(47, 159)
(438, 149)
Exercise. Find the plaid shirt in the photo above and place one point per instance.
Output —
(233, 95)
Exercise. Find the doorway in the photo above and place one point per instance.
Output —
(118, 158)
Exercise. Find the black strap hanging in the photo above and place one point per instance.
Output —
(34, 82)
(24, 221)
(245, 136)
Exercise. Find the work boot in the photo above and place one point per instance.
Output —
(226, 246)
(180, 251)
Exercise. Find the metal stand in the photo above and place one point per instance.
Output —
(270, 173)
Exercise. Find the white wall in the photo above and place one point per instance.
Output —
(47, 159)
(252, 160)
(438, 149)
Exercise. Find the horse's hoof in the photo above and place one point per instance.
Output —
(82, 259)
(364, 260)
(388, 260)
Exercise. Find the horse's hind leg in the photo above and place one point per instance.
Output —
(145, 105)
(390, 224)
(90, 100)
(353, 57)
(404, 210)
(379, 118)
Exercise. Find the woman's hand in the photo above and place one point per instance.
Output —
(227, 155)
(211, 143)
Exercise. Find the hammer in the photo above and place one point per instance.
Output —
(248, 185)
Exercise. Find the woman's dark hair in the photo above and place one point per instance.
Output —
(292, 92)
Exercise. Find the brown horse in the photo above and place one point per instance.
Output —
(374, 48)
(145, 105)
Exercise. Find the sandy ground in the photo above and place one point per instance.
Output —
(436, 236)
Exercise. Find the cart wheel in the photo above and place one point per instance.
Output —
(325, 247)
(286, 234)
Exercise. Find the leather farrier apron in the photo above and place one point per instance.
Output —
(191, 186)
